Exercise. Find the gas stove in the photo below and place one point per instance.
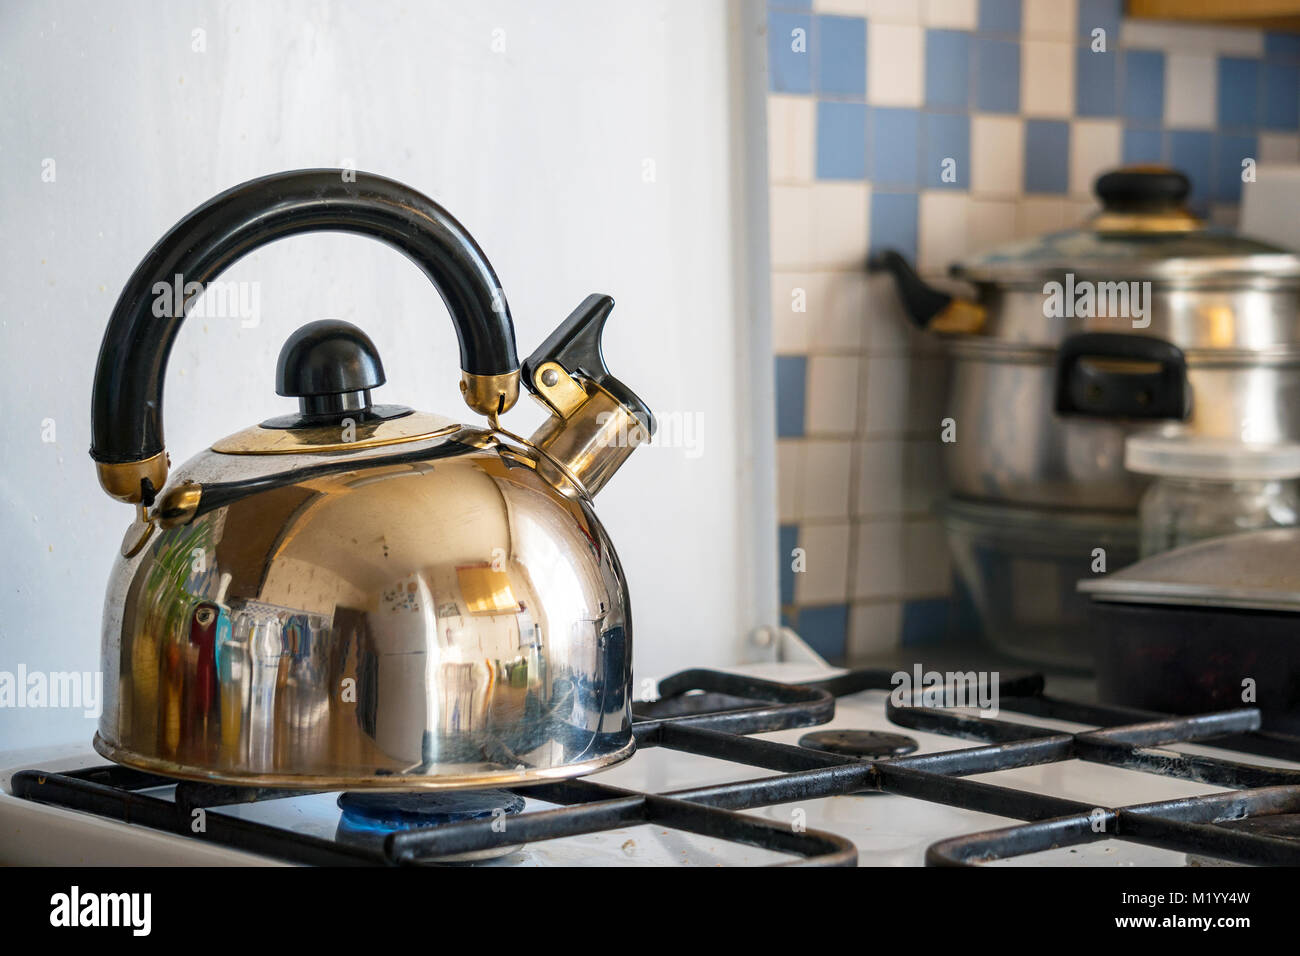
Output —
(775, 763)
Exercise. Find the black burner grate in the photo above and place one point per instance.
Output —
(712, 714)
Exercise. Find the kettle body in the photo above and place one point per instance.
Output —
(363, 596)
(446, 618)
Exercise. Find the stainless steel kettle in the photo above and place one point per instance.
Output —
(361, 595)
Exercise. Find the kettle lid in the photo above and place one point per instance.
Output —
(331, 366)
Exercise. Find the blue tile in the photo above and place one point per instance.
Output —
(1047, 156)
(999, 16)
(791, 395)
(1142, 146)
(947, 68)
(789, 4)
(997, 75)
(1191, 151)
(789, 65)
(842, 55)
(825, 629)
(895, 147)
(925, 621)
(841, 141)
(787, 541)
(1144, 85)
(893, 223)
(947, 136)
(1099, 13)
(1281, 96)
(1230, 151)
(1238, 93)
(1095, 83)
(1282, 46)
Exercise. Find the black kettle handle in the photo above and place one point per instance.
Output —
(126, 406)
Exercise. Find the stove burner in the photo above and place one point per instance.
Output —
(372, 816)
(863, 744)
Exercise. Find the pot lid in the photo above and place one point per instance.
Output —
(1143, 231)
(1211, 459)
(1256, 570)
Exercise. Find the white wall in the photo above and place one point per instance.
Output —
(539, 149)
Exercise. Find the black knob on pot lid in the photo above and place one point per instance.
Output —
(1143, 187)
(330, 366)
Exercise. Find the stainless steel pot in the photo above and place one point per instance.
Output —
(359, 595)
(1142, 318)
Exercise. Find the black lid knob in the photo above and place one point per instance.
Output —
(1142, 188)
(328, 357)
(330, 367)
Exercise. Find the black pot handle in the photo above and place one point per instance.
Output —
(1120, 375)
(126, 406)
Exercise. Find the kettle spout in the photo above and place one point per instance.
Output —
(926, 306)
(595, 420)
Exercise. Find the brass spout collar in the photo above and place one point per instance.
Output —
(124, 480)
(490, 395)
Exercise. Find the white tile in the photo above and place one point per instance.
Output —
(1239, 42)
(874, 629)
(856, 8)
(1095, 146)
(997, 146)
(881, 477)
(791, 226)
(1157, 35)
(832, 395)
(789, 479)
(888, 330)
(1047, 78)
(1081, 210)
(825, 479)
(990, 223)
(1191, 90)
(1048, 19)
(927, 569)
(878, 559)
(950, 14)
(835, 308)
(1191, 38)
(894, 11)
(942, 224)
(1036, 215)
(826, 550)
(838, 225)
(927, 393)
(923, 476)
(903, 395)
(789, 324)
(791, 138)
(884, 395)
(1279, 148)
(895, 64)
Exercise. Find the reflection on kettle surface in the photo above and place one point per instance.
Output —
(449, 622)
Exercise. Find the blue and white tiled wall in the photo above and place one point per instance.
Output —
(867, 99)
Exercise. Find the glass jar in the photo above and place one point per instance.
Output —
(1204, 488)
